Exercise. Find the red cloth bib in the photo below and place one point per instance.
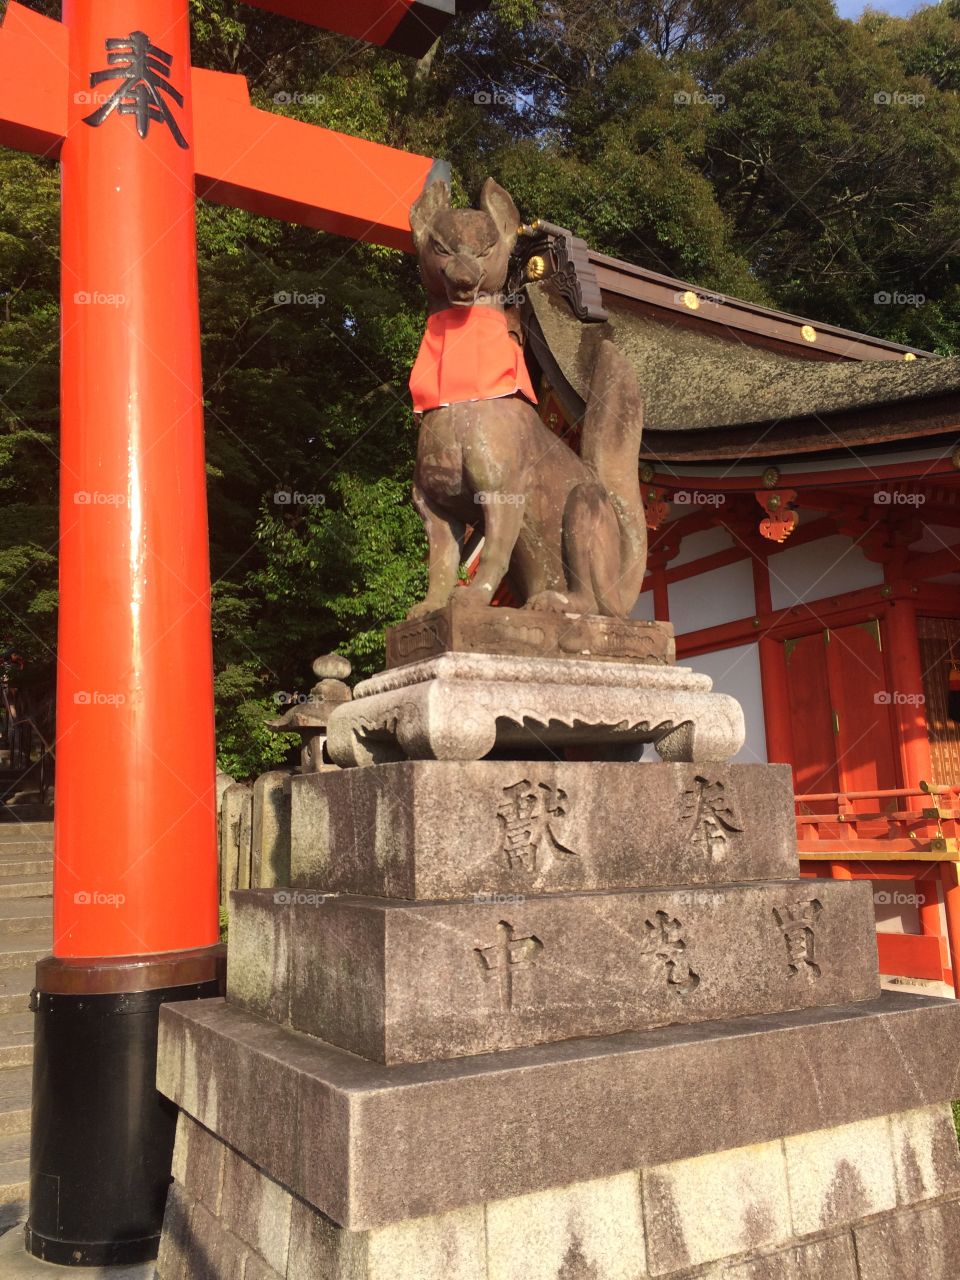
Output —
(467, 354)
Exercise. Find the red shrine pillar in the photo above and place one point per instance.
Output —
(135, 870)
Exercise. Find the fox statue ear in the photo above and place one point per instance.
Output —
(499, 205)
(434, 197)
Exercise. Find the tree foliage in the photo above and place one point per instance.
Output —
(759, 147)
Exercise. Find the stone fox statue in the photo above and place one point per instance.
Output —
(569, 530)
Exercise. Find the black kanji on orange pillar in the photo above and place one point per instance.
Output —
(144, 69)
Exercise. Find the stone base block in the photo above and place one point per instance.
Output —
(831, 1204)
(462, 706)
(368, 1145)
(523, 634)
(397, 981)
(450, 829)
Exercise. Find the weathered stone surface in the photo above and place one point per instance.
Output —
(918, 1245)
(460, 706)
(256, 1209)
(176, 1238)
(448, 1246)
(235, 838)
(331, 666)
(254, 1268)
(925, 1154)
(368, 1144)
(449, 829)
(258, 972)
(198, 1162)
(409, 982)
(594, 1229)
(270, 860)
(829, 1259)
(520, 633)
(214, 1252)
(715, 1206)
(840, 1175)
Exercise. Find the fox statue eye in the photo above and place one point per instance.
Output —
(442, 249)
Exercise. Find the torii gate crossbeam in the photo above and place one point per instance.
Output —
(139, 133)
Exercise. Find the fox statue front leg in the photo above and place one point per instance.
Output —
(445, 538)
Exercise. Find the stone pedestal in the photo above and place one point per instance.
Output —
(570, 1019)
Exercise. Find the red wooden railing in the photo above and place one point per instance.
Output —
(904, 836)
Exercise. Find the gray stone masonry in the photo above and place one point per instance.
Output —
(450, 829)
(397, 981)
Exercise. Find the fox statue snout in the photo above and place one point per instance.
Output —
(569, 531)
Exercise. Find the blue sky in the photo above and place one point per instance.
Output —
(853, 8)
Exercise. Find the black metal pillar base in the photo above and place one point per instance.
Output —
(102, 1138)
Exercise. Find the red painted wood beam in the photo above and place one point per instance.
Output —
(934, 564)
(407, 26)
(798, 620)
(282, 168)
(255, 160)
(33, 81)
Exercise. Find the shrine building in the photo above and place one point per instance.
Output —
(803, 502)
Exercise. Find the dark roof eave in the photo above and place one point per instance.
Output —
(893, 425)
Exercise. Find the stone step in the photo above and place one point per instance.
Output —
(32, 886)
(20, 914)
(26, 863)
(15, 987)
(11, 830)
(23, 950)
(16, 1039)
(14, 1177)
(16, 1086)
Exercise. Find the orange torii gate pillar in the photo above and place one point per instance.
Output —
(139, 133)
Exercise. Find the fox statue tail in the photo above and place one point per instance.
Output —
(610, 448)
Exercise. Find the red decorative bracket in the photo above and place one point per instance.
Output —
(782, 515)
(656, 508)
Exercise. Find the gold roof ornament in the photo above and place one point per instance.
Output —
(690, 300)
(537, 267)
(908, 355)
(808, 333)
